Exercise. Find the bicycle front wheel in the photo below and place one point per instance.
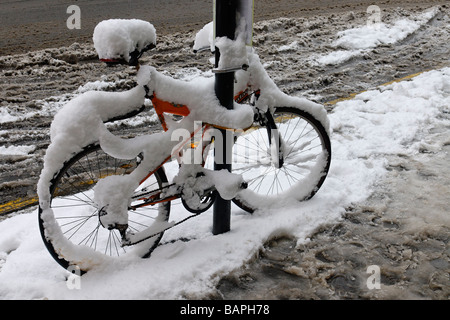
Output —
(293, 168)
(71, 227)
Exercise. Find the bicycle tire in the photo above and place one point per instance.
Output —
(73, 224)
(300, 177)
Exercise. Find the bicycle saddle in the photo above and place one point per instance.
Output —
(123, 41)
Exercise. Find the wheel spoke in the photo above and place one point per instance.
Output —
(76, 212)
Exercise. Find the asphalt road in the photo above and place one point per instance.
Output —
(28, 25)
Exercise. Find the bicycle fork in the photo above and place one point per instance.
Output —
(276, 142)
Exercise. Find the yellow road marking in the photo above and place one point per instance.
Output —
(350, 97)
(353, 95)
(23, 203)
(17, 204)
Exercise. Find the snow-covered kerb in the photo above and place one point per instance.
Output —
(117, 38)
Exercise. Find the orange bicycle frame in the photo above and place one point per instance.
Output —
(164, 107)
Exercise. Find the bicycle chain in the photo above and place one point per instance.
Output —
(162, 231)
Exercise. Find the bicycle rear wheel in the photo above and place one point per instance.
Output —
(305, 150)
(71, 228)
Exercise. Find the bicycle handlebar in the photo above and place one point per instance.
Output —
(134, 57)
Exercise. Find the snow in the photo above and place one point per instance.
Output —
(81, 122)
(6, 116)
(200, 96)
(117, 38)
(392, 119)
(389, 120)
(356, 41)
(16, 150)
(205, 38)
(233, 53)
(271, 95)
(371, 36)
(289, 47)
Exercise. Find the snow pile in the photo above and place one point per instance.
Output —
(16, 150)
(233, 53)
(117, 38)
(272, 96)
(49, 106)
(354, 42)
(374, 35)
(288, 47)
(6, 116)
(397, 116)
(394, 119)
(16, 113)
(80, 122)
(199, 95)
(205, 38)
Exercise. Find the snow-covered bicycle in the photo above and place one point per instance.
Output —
(104, 197)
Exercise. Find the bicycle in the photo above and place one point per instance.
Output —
(102, 196)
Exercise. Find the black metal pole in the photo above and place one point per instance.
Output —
(224, 88)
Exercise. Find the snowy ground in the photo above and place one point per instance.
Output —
(384, 202)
